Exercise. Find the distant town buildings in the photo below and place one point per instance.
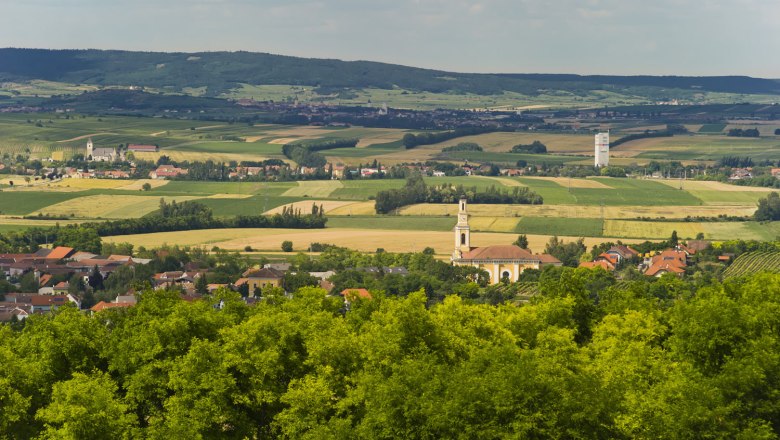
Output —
(602, 149)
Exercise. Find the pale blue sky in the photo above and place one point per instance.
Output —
(671, 37)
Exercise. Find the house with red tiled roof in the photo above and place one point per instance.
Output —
(102, 305)
(166, 171)
(604, 264)
(669, 261)
(351, 295)
(502, 262)
(622, 253)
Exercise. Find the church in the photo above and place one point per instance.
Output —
(501, 262)
(103, 154)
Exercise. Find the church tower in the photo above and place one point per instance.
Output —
(462, 231)
(90, 147)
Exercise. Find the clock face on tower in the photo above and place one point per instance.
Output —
(462, 218)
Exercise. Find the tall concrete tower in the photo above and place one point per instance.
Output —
(462, 231)
(602, 149)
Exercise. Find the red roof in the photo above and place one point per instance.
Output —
(500, 252)
(59, 253)
(102, 305)
(604, 264)
(356, 293)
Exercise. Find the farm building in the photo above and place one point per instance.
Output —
(137, 148)
(502, 261)
(164, 171)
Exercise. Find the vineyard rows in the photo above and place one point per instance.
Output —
(753, 262)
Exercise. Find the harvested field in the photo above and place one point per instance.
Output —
(573, 183)
(651, 230)
(278, 141)
(138, 184)
(305, 206)
(580, 211)
(230, 196)
(90, 183)
(493, 224)
(353, 208)
(360, 239)
(313, 188)
(706, 185)
(107, 206)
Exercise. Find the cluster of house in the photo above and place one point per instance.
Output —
(48, 266)
(655, 264)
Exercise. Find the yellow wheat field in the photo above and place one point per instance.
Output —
(493, 224)
(360, 239)
(313, 188)
(651, 230)
(138, 184)
(108, 206)
(353, 208)
(90, 183)
(305, 206)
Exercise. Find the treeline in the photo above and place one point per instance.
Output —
(306, 154)
(535, 147)
(588, 358)
(463, 146)
(416, 191)
(647, 134)
(735, 161)
(748, 132)
(413, 140)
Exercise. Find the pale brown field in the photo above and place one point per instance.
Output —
(580, 211)
(81, 184)
(354, 208)
(305, 206)
(108, 206)
(313, 188)
(360, 239)
(574, 183)
(277, 141)
(382, 137)
(229, 196)
(494, 224)
(704, 185)
(138, 184)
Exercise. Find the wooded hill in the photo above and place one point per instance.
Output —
(221, 71)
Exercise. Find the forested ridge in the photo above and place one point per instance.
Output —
(220, 71)
(587, 358)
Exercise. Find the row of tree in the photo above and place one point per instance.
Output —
(416, 191)
(413, 140)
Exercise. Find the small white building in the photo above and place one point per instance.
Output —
(602, 149)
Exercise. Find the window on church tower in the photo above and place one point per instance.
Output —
(463, 239)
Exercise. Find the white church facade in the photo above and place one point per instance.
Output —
(502, 262)
(103, 154)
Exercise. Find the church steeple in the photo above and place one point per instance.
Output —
(90, 148)
(462, 230)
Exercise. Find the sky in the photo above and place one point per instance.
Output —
(618, 37)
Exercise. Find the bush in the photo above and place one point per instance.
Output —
(287, 246)
(535, 147)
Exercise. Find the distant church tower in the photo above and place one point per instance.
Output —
(90, 148)
(462, 231)
(602, 149)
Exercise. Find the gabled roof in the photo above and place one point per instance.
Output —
(265, 273)
(102, 305)
(46, 300)
(665, 267)
(623, 251)
(499, 252)
(59, 253)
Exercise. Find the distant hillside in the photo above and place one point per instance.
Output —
(221, 71)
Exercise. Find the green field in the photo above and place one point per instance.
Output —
(634, 192)
(254, 205)
(576, 227)
(393, 222)
(551, 192)
(232, 147)
(25, 202)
